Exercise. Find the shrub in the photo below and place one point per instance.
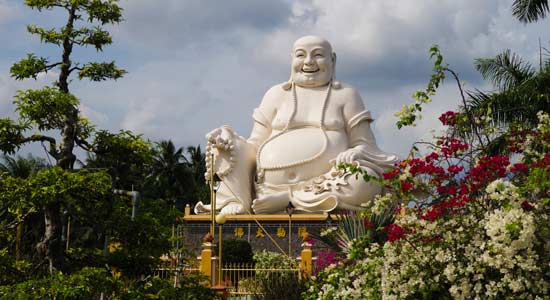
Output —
(237, 251)
(281, 284)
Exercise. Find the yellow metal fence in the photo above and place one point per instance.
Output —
(244, 280)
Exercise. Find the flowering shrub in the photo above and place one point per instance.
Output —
(474, 226)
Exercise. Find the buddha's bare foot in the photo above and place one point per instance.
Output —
(233, 209)
(201, 208)
(270, 203)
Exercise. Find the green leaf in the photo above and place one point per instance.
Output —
(28, 67)
(46, 108)
(42, 4)
(47, 35)
(11, 135)
(506, 70)
(528, 11)
(104, 11)
(93, 36)
(101, 71)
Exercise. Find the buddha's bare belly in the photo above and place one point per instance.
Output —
(298, 146)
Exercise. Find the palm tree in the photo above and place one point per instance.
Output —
(528, 11)
(170, 173)
(22, 167)
(197, 164)
(520, 92)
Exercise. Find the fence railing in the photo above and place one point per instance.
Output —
(167, 272)
(245, 279)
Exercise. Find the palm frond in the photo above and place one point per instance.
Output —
(506, 70)
(528, 11)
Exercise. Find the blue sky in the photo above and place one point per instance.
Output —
(195, 65)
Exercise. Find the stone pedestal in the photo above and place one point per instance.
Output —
(245, 227)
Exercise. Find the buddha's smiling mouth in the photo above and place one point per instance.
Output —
(310, 71)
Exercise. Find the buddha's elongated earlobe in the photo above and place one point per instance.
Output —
(335, 84)
(287, 85)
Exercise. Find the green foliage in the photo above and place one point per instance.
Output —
(278, 285)
(505, 70)
(28, 67)
(23, 167)
(11, 135)
(46, 108)
(521, 94)
(354, 231)
(139, 243)
(79, 192)
(11, 271)
(191, 288)
(237, 251)
(75, 189)
(409, 114)
(94, 36)
(46, 35)
(101, 71)
(125, 155)
(528, 11)
(42, 4)
(170, 176)
(106, 12)
(88, 283)
(281, 287)
(340, 281)
(197, 164)
(270, 260)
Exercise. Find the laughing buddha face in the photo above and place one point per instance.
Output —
(312, 62)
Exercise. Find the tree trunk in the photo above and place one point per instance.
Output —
(51, 246)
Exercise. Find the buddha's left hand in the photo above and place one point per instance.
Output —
(347, 156)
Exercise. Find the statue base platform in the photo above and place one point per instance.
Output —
(245, 227)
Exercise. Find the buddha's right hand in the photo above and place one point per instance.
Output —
(221, 144)
(221, 138)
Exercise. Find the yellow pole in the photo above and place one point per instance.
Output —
(290, 236)
(68, 233)
(220, 256)
(306, 263)
(18, 234)
(212, 197)
(206, 260)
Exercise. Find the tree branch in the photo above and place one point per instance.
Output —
(43, 138)
(84, 145)
(49, 67)
(466, 109)
(14, 224)
(74, 68)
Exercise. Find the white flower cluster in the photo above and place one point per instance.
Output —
(501, 190)
(328, 231)
(465, 257)
(543, 128)
(382, 203)
(495, 247)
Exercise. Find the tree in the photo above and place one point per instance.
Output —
(197, 163)
(170, 173)
(528, 11)
(55, 108)
(23, 167)
(125, 156)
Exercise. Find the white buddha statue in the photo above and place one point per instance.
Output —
(302, 130)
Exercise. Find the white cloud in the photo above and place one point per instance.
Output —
(9, 11)
(194, 65)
